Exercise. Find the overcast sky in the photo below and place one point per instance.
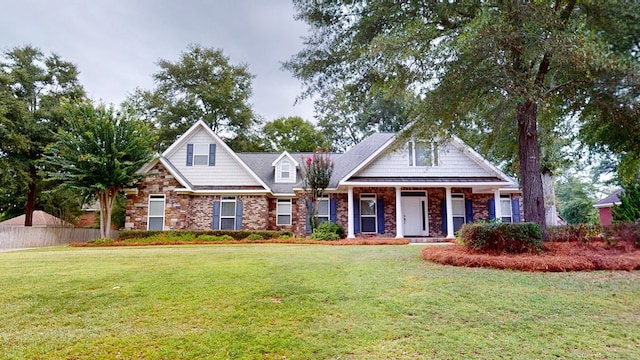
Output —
(116, 44)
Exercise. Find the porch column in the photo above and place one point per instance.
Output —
(449, 205)
(350, 229)
(399, 217)
(496, 201)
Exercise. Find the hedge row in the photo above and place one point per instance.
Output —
(502, 237)
(233, 234)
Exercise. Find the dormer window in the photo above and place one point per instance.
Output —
(284, 169)
(423, 154)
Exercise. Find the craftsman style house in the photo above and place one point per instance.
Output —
(379, 188)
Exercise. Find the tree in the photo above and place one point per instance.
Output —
(202, 85)
(503, 67)
(99, 153)
(292, 134)
(317, 170)
(31, 87)
(575, 200)
(629, 208)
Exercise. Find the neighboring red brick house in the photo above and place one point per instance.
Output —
(605, 205)
(379, 188)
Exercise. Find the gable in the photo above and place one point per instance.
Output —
(225, 170)
(452, 162)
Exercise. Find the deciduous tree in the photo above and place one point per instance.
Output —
(99, 153)
(201, 85)
(32, 85)
(292, 134)
(502, 67)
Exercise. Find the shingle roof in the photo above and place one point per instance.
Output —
(39, 219)
(608, 201)
(357, 155)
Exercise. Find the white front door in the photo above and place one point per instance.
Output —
(414, 212)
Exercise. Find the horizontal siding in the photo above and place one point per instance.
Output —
(453, 163)
(292, 173)
(227, 170)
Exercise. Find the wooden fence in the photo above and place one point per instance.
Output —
(19, 237)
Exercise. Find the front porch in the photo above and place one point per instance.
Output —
(424, 214)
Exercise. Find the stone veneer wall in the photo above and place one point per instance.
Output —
(192, 212)
(161, 182)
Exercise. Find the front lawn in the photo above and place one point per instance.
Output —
(304, 302)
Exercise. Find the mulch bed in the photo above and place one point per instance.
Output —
(556, 256)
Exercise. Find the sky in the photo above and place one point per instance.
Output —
(116, 44)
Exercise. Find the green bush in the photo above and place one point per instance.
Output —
(626, 233)
(215, 238)
(254, 236)
(502, 237)
(574, 233)
(328, 231)
(101, 241)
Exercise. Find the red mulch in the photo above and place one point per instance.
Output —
(364, 241)
(556, 256)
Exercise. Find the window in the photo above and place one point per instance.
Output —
(201, 154)
(283, 212)
(458, 211)
(156, 212)
(505, 208)
(228, 213)
(323, 209)
(368, 218)
(423, 154)
(284, 169)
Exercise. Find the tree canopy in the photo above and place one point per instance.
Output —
(506, 68)
(98, 153)
(292, 134)
(32, 85)
(201, 85)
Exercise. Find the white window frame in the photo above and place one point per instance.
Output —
(228, 200)
(326, 216)
(414, 146)
(279, 211)
(369, 197)
(201, 152)
(285, 168)
(509, 216)
(153, 198)
(459, 198)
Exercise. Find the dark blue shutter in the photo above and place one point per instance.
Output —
(216, 216)
(308, 226)
(212, 154)
(468, 210)
(492, 209)
(356, 216)
(189, 154)
(443, 212)
(333, 211)
(380, 215)
(238, 215)
(515, 208)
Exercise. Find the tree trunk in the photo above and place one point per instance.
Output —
(530, 174)
(551, 211)
(106, 200)
(32, 194)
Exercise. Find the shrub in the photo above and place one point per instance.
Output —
(574, 233)
(502, 237)
(101, 241)
(186, 234)
(328, 231)
(625, 233)
(254, 236)
(215, 238)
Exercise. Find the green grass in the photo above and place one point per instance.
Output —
(304, 302)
